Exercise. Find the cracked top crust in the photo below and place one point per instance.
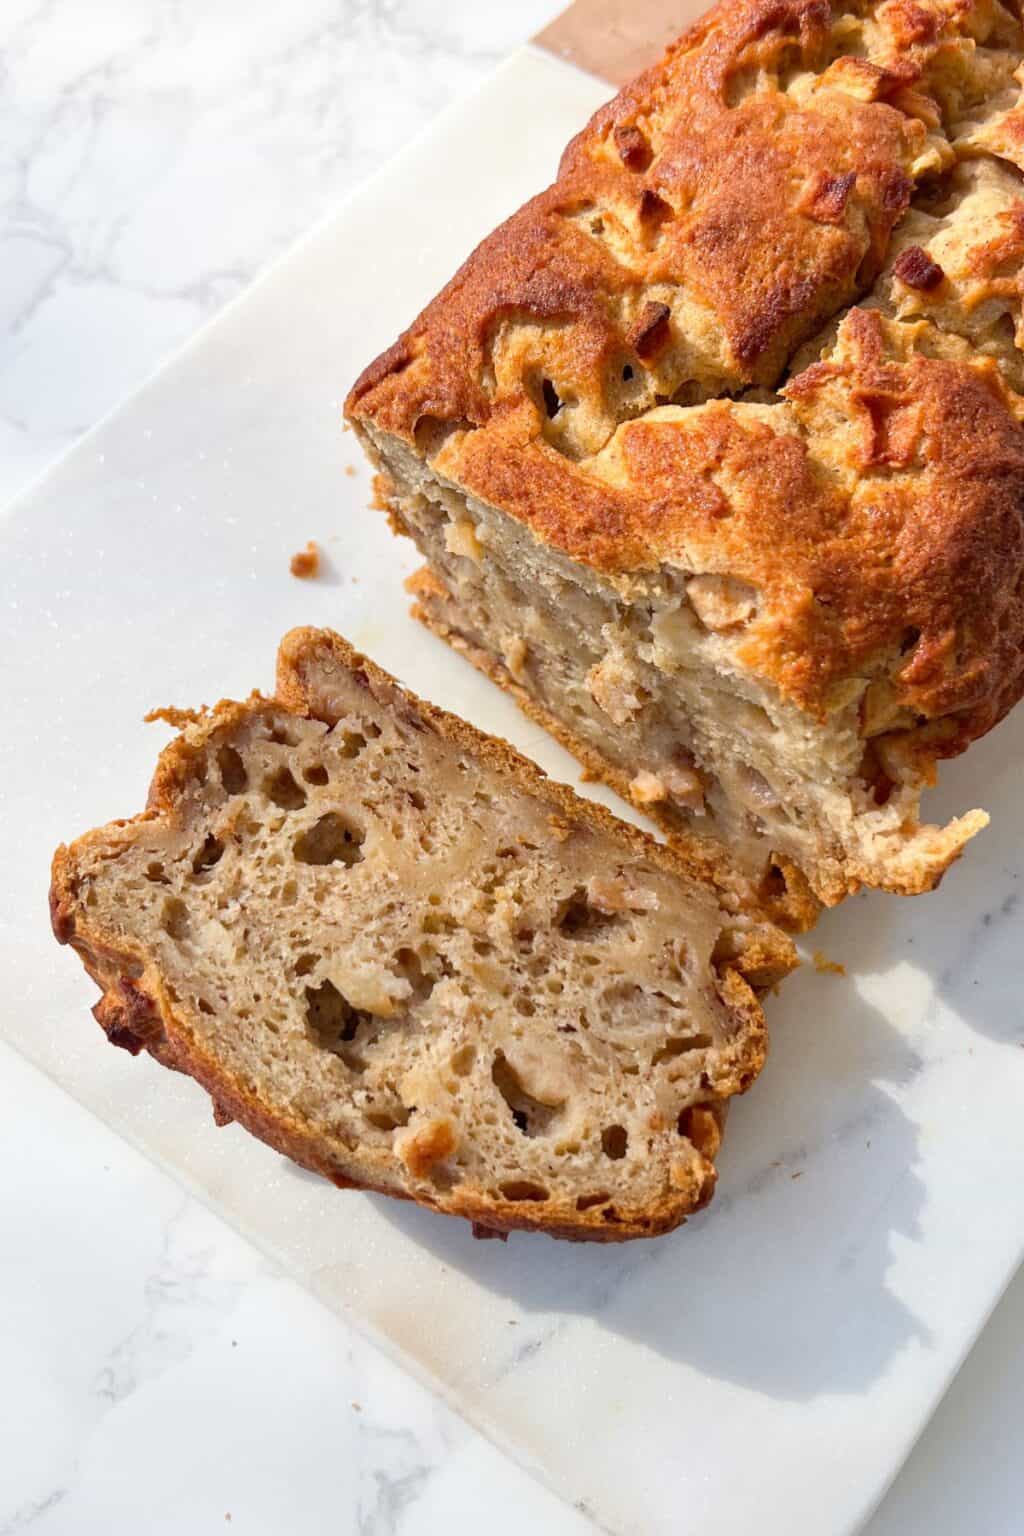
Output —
(603, 367)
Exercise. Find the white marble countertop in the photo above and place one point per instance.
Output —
(159, 1373)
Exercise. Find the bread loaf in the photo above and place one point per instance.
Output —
(714, 449)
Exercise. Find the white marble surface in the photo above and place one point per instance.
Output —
(160, 1376)
(156, 154)
(159, 1373)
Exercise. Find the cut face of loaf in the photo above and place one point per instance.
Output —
(389, 947)
(714, 449)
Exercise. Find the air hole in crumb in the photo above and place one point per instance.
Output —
(438, 922)
(627, 373)
(203, 1006)
(333, 1022)
(524, 1006)
(157, 874)
(774, 885)
(389, 1119)
(409, 967)
(523, 1189)
(586, 1202)
(284, 791)
(175, 919)
(552, 403)
(614, 1142)
(577, 919)
(232, 770)
(875, 778)
(315, 773)
(416, 799)
(209, 854)
(304, 964)
(352, 743)
(330, 840)
(529, 1115)
(679, 1045)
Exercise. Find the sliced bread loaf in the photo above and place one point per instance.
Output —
(393, 950)
(714, 449)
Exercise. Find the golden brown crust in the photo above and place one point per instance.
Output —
(706, 221)
(137, 1012)
(931, 515)
(762, 208)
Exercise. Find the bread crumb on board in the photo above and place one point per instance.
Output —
(823, 964)
(306, 563)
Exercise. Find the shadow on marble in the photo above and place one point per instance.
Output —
(750, 1291)
(747, 1291)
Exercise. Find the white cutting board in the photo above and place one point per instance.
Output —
(768, 1367)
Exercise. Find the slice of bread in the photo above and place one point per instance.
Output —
(388, 946)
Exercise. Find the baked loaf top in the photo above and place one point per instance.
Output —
(392, 949)
(655, 365)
